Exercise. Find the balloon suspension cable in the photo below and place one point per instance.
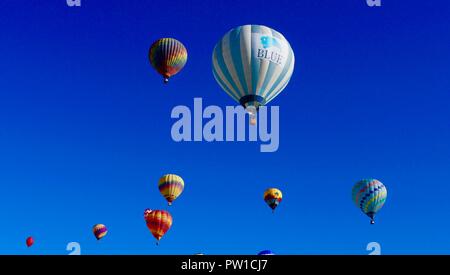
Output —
(157, 243)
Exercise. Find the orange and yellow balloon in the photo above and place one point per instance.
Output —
(99, 231)
(171, 186)
(158, 222)
(273, 197)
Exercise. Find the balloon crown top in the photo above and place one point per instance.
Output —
(147, 212)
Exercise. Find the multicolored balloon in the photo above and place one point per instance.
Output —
(168, 56)
(266, 252)
(100, 231)
(158, 222)
(273, 197)
(171, 186)
(29, 241)
(369, 195)
(253, 64)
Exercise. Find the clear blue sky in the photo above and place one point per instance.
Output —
(85, 128)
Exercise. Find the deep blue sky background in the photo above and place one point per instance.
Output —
(85, 128)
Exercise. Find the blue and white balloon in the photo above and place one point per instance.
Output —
(253, 64)
(266, 252)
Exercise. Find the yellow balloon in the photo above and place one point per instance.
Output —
(171, 186)
(273, 197)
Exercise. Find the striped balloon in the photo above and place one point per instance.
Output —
(158, 222)
(273, 197)
(168, 56)
(171, 186)
(369, 195)
(253, 64)
(100, 231)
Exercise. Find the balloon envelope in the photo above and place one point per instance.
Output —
(369, 195)
(30, 241)
(253, 64)
(266, 252)
(273, 197)
(99, 231)
(158, 222)
(171, 186)
(167, 56)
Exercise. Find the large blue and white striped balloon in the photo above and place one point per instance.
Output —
(253, 64)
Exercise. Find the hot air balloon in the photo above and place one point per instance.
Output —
(171, 186)
(273, 197)
(266, 252)
(158, 221)
(100, 231)
(30, 241)
(369, 195)
(168, 56)
(253, 64)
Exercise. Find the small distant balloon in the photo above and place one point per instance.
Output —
(100, 231)
(266, 252)
(167, 56)
(273, 197)
(158, 222)
(369, 195)
(30, 241)
(171, 186)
